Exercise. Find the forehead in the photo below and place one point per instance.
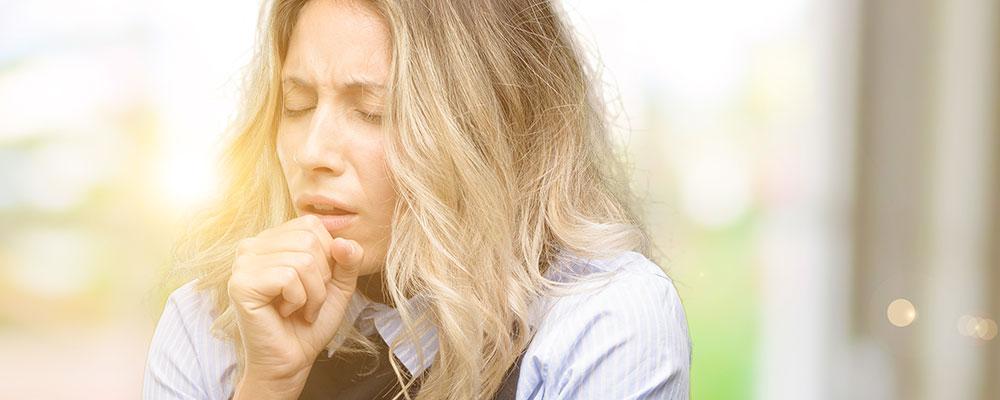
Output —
(337, 41)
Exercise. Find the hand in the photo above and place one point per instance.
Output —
(291, 285)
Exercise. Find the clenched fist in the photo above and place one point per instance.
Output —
(290, 286)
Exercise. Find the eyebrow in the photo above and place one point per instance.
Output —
(354, 82)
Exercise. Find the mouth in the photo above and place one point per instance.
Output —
(321, 209)
(334, 214)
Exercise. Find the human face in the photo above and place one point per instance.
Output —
(329, 139)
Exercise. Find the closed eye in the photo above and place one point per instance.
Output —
(295, 113)
(371, 118)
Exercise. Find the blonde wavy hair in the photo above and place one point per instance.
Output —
(498, 147)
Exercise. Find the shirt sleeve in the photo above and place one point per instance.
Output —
(172, 365)
(629, 341)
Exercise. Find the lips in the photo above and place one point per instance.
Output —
(325, 210)
(319, 204)
(336, 215)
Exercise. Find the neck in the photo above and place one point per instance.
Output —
(373, 287)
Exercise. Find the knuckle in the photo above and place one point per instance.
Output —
(234, 285)
(244, 245)
(316, 224)
(312, 220)
(241, 261)
(303, 259)
(305, 239)
(286, 275)
(315, 221)
(310, 240)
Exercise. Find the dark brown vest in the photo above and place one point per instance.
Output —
(341, 377)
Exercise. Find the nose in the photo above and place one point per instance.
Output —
(320, 151)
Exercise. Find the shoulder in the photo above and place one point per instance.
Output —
(636, 293)
(185, 358)
(635, 321)
(191, 309)
(194, 304)
(619, 285)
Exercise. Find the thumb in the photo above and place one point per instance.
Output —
(347, 255)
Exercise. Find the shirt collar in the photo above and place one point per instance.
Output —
(389, 325)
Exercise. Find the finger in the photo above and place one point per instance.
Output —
(317, 245)
(312, 223)
(306, 234)
(308, 268)
(306, 274)
(293, 240)
(312, 238)
(309, 223)
(347, 255)
(292, 293)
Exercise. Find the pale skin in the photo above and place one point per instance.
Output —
(291, 284)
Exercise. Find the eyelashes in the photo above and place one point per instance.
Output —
(365, 116)
(295, 113)
(371, 118)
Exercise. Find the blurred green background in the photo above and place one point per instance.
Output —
(804, 163)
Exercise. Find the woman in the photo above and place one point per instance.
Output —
(421, 202)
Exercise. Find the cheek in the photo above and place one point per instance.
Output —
(378, 186)
(281, 150)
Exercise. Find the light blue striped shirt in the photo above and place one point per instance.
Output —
(624, 340)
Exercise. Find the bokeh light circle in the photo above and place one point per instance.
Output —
(901, 313)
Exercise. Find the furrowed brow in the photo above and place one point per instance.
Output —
(352, 83)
